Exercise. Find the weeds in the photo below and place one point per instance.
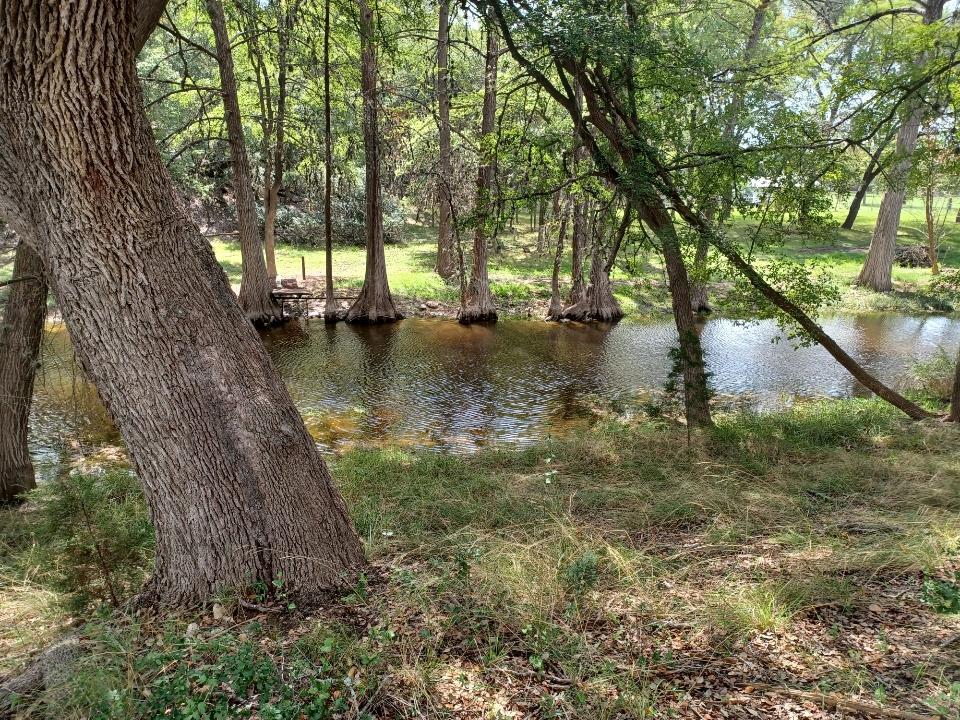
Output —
(604, 592)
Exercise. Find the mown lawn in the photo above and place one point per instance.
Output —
(521, 277)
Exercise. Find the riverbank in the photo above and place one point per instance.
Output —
(520, 276)
(777, 566)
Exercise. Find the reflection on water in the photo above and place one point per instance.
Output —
(435, 383)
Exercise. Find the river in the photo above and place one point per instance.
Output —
(434, 383)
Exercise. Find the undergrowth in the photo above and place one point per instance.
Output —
(587, 568)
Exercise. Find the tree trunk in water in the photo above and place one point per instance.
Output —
(696, 394)
(20, 336)
(374, 304)
(255, 285)
(330, 314)
(445, 267)
(598, 302)
(237, 491)
(954, 415)
(477, 303)
(877, 271)
(556, 305)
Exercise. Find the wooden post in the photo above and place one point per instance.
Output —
(303, 267)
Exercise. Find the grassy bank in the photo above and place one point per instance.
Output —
(619, 573)
(520, 277)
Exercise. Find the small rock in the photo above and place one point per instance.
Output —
(874, 608)
(219, 613)
(423, 307)
(432, 304)
(192, 630)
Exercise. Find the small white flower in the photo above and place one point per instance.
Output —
(547, 481)
(387, 533)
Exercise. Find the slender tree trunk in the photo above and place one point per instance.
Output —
(477, 303)
(877, 271)
(873, 169)
(445, 267)
(556, 305)
(255, 285)
(931, 230)
(237, 490)
(699, 297)
(330, 314)
(375, 304)
(20, 336)
(954, 415)
(274, 181)
(696, 394)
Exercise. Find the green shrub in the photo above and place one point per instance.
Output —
(97, 535)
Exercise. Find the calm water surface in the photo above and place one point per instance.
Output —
(434, 383)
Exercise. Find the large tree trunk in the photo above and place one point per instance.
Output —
(477, 302)
(578, 250)
(445, 266)
(237, 490)
(20, 336)
(696, 394)
(877, 271)
(598, 302)
(374, 304)
(255, 285)
(330, 313)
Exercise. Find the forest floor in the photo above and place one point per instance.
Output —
(520, 277)
(804, 564)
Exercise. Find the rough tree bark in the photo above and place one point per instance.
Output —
(20, 336)
(877, 270)
(255, 285)
(477, 302)
(696, 394)
(598, 302)
(374, 304)
(445, 266)
(330, 313)
(562, 211)
(700, 300)
(578, 248)
(237, 491)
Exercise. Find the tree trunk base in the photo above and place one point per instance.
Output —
(475, 314)
(700, 300)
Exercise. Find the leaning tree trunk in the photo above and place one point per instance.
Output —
(20, 336)
(330, 314)
(374, 304)
(477, 302)
(696, 394)
(255, 286)
(869, 175)
(237, 491)
(877, 271)
(445, 267)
